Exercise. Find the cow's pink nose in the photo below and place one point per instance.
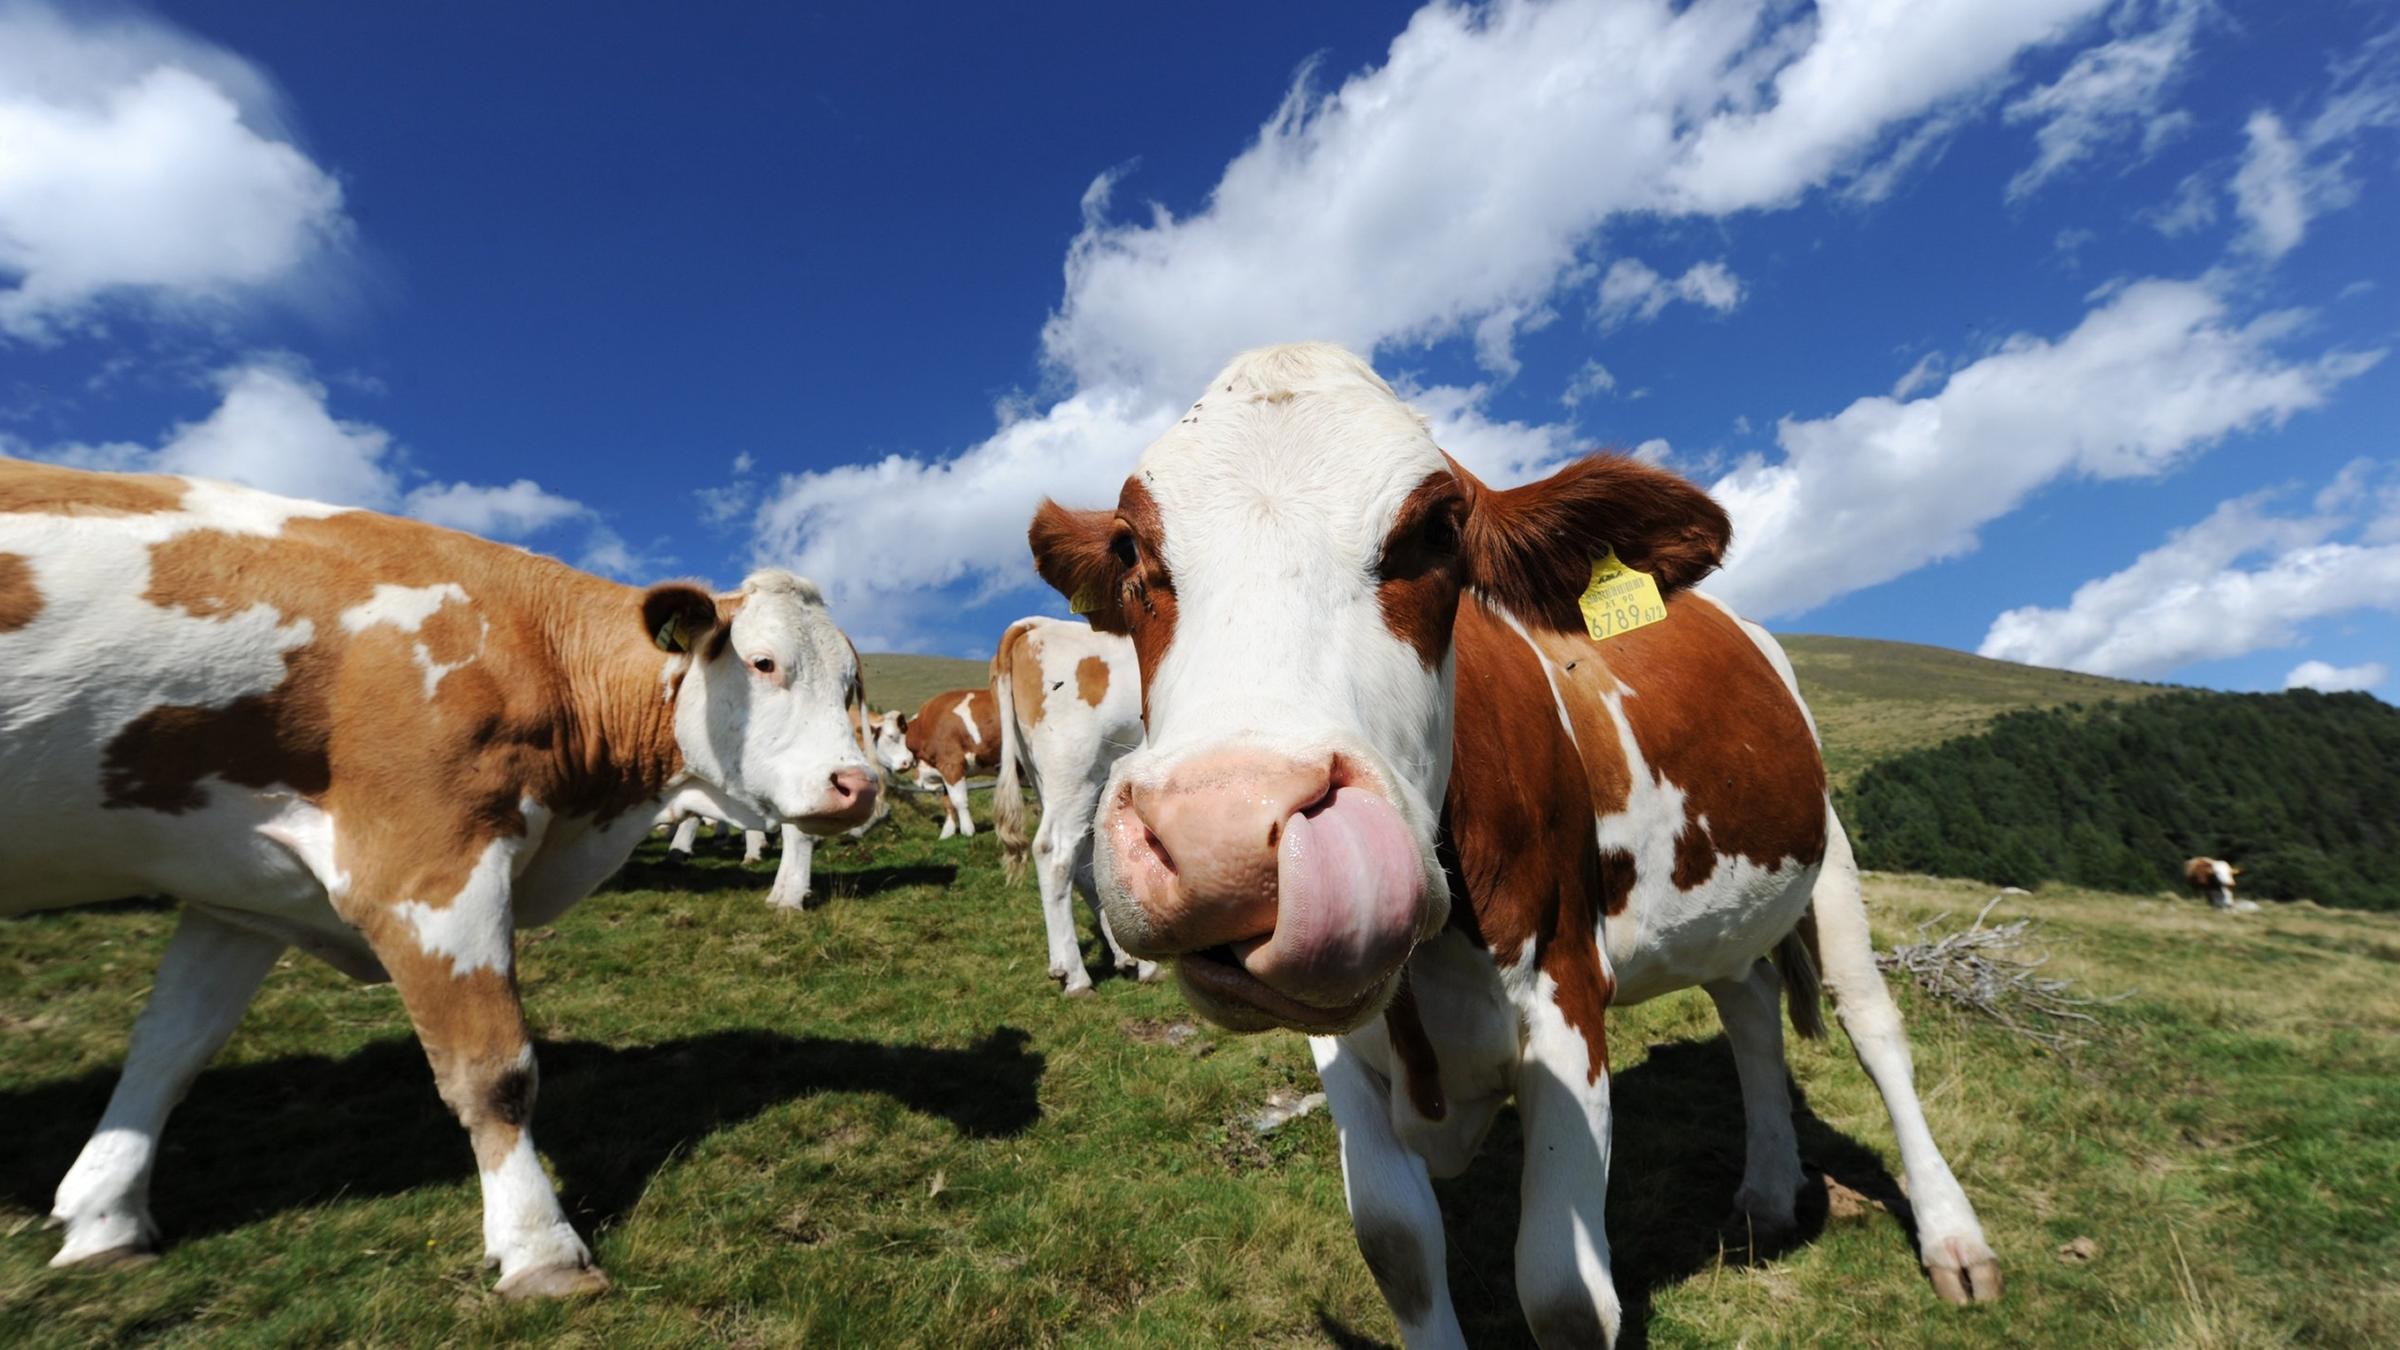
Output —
(1210, 831)
(849, 799)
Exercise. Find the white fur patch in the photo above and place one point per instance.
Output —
(473, 929)
(403, 607)
(965, 712)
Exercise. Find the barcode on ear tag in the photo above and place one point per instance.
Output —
(1619, 599)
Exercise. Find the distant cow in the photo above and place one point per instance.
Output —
(1070, 707)
(2213, 878)
(1436, 772)
(880, 731)
(954, 736)
(386, 744)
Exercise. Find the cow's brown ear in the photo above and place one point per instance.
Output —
(1531, 547)
(1071, 551)
(677, 616)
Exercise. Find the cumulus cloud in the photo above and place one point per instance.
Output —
(1633, 291)
(1590, 382)
(2289, 175)
(1458, 190)
(271, 430)
(2327, 678)
(2241, 580)
(2110, 93)
(136, 160)
(2156, 372)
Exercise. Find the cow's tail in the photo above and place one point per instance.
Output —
(1803, 988)
(1008, 797)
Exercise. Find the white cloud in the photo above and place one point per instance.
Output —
(2109, 93)
(2191, 599)
(1927, 369)
(2270, 191)
(521, 508)
(137, 160)
(2327, 678)
(2192, 208)
(1590, 382)
(1632, 291)
(2152, 375)
(1458, 190)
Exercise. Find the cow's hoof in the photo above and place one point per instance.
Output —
(1749, 1238)
(1077, 991)
(115, 1258)
(789, 906)
(1146, 972)
(561, 1281)
(1964, 1271)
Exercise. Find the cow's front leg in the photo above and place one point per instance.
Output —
(792, 874)
(687, 837)
(1563, 1279)
(1751, 1009)
(1392, 1207)
(958, 805)
(204, 984)
(454, 966)
(754, 846)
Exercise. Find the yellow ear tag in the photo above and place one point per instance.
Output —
(1619, 599)
(1085, 600)
(669, 636)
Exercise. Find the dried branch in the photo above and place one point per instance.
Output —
(1996, 971)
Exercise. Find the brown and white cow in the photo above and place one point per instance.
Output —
(1393, 794)
(793, 874)
(955, 735)
(1070, 707)
(386, 744)
(2213, 879)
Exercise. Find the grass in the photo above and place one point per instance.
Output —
(1874, 699)
(875, 1123)
(902, 681)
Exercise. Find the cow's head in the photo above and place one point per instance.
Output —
(763, 713)
(889, 732)
(1288, 560)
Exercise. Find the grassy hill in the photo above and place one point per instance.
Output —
(876, 1123)
(1872, 699)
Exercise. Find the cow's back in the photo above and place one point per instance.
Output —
(1695, 783)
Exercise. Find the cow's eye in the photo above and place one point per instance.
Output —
(764, 665)
(1440, 533)
(1128, 553)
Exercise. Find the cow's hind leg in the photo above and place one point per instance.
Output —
(1949, 1237)
(454, 967)
(1053, 869)
(687, 837)
(1750, 1008)
(1392, 1207)
(792, 874)
(958, 805)
(205, 983)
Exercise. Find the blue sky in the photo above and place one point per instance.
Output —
(2052, 328)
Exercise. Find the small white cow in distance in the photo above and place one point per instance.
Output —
(1070, 707)
(1395, 794)
(793, 874)
(2213, 879)
(387, 744)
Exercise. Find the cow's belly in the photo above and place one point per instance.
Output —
(1667, 939)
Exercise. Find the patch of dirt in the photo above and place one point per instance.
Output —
(1181, 1033)
(2078, 1252)
(1841, 1202)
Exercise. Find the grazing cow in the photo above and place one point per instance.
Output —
(1435, 772)
(386, 744)
(2213, 878)
(956, 733)
(1070, 707)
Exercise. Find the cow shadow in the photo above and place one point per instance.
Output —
(301, 1130)
(710, 876)
(1675, 1162)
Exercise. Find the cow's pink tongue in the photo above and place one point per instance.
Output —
(1349, 884)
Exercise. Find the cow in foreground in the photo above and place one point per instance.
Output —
(1070, 701)
(2213, 879)
(386, 744)
(954, 736)
(1396, 795)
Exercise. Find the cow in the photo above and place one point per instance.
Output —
(1435, 772)
(790, 890)
(386, 744)
(955, 734)
(1070, 705)
(2213, 879)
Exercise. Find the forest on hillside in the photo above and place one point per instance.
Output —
(2300, 789)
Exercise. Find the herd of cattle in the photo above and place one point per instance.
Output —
(1431, 771)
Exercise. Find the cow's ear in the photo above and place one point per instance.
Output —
(1071, 551)
(1532, 547)
(676, 616)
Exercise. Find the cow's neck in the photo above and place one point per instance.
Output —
(617, 747)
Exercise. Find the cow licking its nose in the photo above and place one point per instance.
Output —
(1288, 887)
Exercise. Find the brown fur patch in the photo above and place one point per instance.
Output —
(1417, 576)
(938, 738)
(45, 489)
(1079, 553)
(1531, 547)
(1091, 680)
(20, 598)
(1419, 1065)
(1021, 656)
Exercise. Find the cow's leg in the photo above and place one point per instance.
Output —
(454, 968)
(754, 846)
(792, 874)
(1563, 1278)
(1751, 1010)
(205, 983)
(687, 833)
(958, 805)
(1053, 872)
(1392, 1208)
(1949, 1238)
(949, 806)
